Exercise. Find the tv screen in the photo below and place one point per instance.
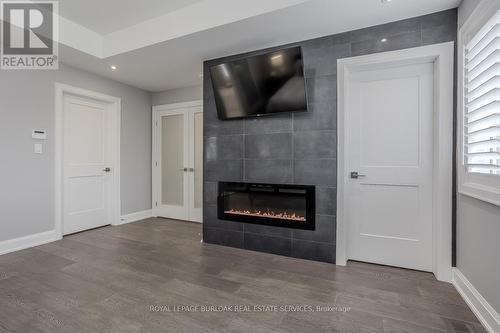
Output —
(260, 85)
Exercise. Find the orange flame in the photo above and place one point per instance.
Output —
(269, 214)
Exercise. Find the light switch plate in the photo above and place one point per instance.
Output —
(38, 148)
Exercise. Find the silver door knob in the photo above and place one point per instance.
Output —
(356, 175)
(183, 169)
(106, 169)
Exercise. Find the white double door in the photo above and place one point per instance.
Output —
(178, 162)
(390, 161)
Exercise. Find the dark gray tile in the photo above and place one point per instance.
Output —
(439, 34)
(218, 127)
(268, 146)
(210, 152)
(269, 171)
(267, 230)
(387, 30)
(231, 170)
(224, 147)
(395, 42)
(269, 124)
(211, 171)
(210, 220)
(326, 200)
(208, 99)
(341, 38)
(226, 170)
(223, 237)
(446, 17)
(320, 56)
(322, 89)
(315, 144)
(210, 111)
(322, 115)
(230, 147)
(313, 250)
(316, 172)
(324, 232)
(210, 192)
(269, 244)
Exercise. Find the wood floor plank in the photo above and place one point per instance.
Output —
(156, 276)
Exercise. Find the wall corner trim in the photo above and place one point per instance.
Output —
(137, 216)
(25, 242)
(481, 308)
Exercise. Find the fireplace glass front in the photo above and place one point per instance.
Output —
(291, 206)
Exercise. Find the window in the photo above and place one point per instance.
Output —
(482, 100)
(479, 100)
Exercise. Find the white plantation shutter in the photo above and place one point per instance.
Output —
(482, 100)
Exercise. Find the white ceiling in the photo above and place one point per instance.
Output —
(106, 16)
(177, 61)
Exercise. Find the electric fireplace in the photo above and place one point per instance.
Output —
(290, 206)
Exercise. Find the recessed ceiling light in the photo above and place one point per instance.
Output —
(113, 67)
(383, 40)
(386, 1)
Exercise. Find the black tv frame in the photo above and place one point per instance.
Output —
(256, 54)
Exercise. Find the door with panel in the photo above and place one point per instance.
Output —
(88, 164)
(178, 156)
(390, 160)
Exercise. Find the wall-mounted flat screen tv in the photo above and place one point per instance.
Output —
(260, 85)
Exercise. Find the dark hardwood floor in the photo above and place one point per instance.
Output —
(155, 276)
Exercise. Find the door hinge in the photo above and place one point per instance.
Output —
(156, 204)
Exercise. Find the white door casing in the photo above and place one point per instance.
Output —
(178, 161)
(390, 145)
(87, 143)
(441, 57)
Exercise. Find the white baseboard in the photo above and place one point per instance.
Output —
(25, 242)
(481, 308)
(137, 216)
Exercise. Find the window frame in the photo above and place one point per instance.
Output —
(485, 187)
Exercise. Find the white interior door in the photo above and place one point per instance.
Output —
(178, 147)
(87, 166)
(389, 152)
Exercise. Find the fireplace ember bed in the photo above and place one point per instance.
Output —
(289, 206)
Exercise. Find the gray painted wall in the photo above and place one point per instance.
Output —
(298, 148)
(478, 246)
(178, 95)
(27, 187)
(478, 230)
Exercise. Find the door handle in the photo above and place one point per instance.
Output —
(106, 169)
(356, 175)
(183, 169)
(191, 169)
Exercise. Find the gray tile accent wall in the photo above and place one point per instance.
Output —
(298, 148)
